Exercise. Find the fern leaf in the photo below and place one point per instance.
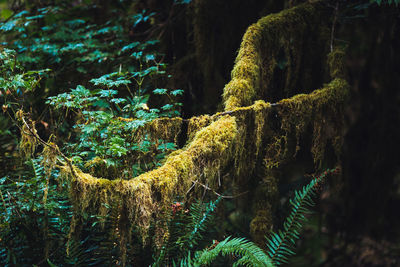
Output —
(250, 254)
(281, 245)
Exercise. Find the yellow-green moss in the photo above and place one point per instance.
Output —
(50, 154)
(336, 63)
(240, 138)
(28, 143)
(321, 108)
(197, 123)
(261, 225)
(165, 128)
(263, 205)
(173, 178)
(259, 47)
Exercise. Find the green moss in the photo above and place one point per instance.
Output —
(167, 129)
(261, 225)
(197, 123)
(322, 108)
(28, 143)
(336, 64)
(138, 195)
(264, 204)
(235, 142)
(256, 60)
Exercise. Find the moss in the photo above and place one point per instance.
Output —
(276, 151)
(50, 154)
(264, 204)
(336, 64)
(321, 108)
(256, 60)
(197, 123)
(139, 194)
(28, 143)
(240, 92)
(235, 142)
(261, 110)
(165, 128)
(261, 225)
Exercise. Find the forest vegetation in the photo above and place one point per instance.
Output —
(199, 133)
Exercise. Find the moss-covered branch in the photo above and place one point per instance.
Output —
(247, 142)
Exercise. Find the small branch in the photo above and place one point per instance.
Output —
(273, 105)
(35, 135)
(216, 193)
(336, 12)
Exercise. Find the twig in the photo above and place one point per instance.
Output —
(32, 133)
(218, 194)
(273, 105)
(334, 23)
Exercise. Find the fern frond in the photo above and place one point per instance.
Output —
(186, 231)
(281, 245)
(38, 169)
(200, 217)
(250, 254)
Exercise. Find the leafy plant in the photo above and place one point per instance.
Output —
(107, 114)
(33, 211)
(107, 121)
(101, 124)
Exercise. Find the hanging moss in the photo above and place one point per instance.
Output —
(322, 107)
(165, 128)
(29, 142)
(140, 194)
(336, 63)
(50, 154)
(264, 205)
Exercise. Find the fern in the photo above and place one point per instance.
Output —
(200, 219)
(186, 230)
(250, 254)
(281, 244)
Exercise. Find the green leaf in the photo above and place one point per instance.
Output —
(160, 91)
(108, 93)
(129, 46)
(177, 92)
(167, 107)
